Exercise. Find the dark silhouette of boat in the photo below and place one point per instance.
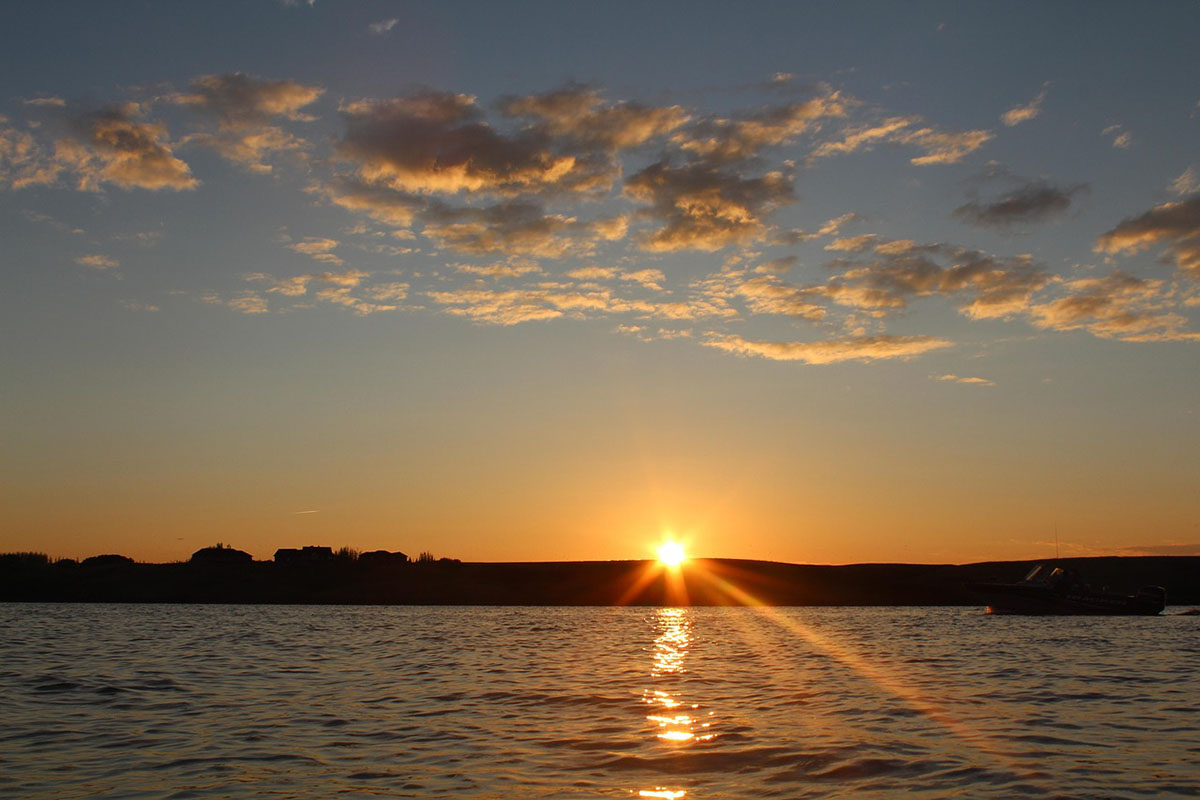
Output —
(1053, 590)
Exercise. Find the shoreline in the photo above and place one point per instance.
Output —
(700, 582)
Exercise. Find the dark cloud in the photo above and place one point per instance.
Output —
(1032, 202)
(702, 207)
(436, 142)
(117, 147)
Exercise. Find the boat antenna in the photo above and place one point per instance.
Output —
(1056, 556)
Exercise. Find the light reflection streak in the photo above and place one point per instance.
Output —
(865, 669)
(674, 722)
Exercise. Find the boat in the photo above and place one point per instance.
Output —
(1054, 590)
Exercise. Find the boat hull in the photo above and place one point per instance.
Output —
(1007, 598)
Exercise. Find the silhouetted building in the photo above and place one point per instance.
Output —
(304, 555)
(221, 555)
(382, 557)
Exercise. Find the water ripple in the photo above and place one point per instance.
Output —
(219, 701)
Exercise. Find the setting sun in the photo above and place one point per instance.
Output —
(671, 554)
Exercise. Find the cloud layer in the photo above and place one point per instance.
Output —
(673, 221)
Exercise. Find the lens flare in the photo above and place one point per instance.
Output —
(671, 554)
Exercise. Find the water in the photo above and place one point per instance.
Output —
(219, 701)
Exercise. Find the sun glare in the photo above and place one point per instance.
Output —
(671, 554)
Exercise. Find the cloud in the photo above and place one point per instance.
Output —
(318, 248)
(437, 142)
(1029, 203)
(594, 273)
(244, 107)
(700, 207)
(1117, 306)
(509, 307)
(1174, 225)
(1164, 550)
(897, 270)
(96, 261)
(725, 140)
(116, 147)
(513, 268)
(137, 305)
(552, 299)
(22, 162)
(1122, 139)
(245, 303)
(968, 381)
(299, 285)
(853, 244)
(582, 114)
(644, 334)
(769, 295)
(1188, 182)
(379, 203)
(776, 266)
(1018, 114)
(240, 100)
(382, 27)
(56, 102)
(941, 147)
(347, 288)
(517, 228)
(863, 348)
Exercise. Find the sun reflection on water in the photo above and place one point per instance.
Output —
(675, 722)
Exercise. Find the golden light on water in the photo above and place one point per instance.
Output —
(671, 553)
(675, 723)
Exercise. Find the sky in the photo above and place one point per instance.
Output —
(810, 282)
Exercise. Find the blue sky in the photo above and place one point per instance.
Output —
(814, 282)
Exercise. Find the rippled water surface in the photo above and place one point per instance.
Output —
(216, 701)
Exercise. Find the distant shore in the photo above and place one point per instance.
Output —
(701, 582)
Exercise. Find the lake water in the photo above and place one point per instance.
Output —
(220, 701)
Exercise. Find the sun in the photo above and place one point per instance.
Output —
(671, 554)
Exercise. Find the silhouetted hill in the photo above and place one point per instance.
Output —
(700, 582)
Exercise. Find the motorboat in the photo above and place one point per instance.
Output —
(1054, 590)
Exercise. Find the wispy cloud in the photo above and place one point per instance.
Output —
(969, 381)
(1188, 182)
(383, 26)
(866, 348)
(1031, 110)
(940, 146)
(97, 261)
(1121, 138)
